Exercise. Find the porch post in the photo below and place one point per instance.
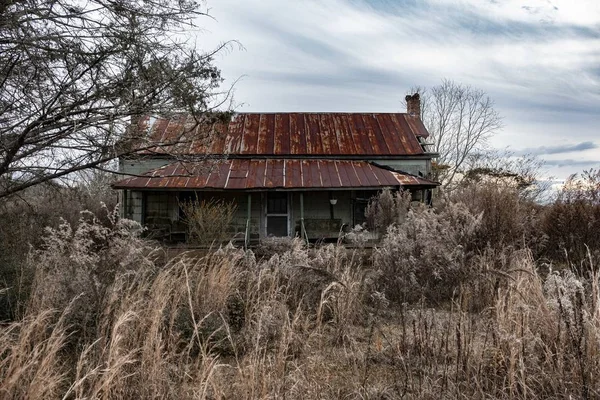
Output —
(249, 216)
(144, 199)
(124, 205)
(302, 229)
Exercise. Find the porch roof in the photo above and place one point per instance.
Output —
(252, 174)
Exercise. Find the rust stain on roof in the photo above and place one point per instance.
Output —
(291, 134)
(245, 174)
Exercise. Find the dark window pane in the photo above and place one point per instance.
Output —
(186, 197)
(277, 226)
(277, 203)
(360, 206)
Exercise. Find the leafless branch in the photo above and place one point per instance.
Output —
(74, 74)
(460, 120)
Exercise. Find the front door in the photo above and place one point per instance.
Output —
(277, 214)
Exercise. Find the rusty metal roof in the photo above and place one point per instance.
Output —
(245, 174)
(290, 134)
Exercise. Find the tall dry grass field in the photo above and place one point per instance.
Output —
(108, 318)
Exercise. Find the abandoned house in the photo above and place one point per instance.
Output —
(289, 174)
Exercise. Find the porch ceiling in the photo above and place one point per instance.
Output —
(248, 174)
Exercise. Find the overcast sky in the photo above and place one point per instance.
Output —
(539, 60)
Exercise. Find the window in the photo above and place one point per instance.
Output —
(360, 206)
(277, 203)
(277, 214)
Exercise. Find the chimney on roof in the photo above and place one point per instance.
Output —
(413, 105)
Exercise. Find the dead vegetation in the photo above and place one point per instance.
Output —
(208, 221)
(440, 311)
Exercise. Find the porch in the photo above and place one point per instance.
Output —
(312, 215)
(315, 199)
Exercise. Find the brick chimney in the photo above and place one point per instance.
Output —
(413, 105)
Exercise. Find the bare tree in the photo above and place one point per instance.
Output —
(74, 73)
(460, 120)
(504, 167)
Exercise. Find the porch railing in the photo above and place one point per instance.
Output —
(303, 230)
(319, 228)
(246, 227)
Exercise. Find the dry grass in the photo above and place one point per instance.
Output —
(107, 320)
(208, 221)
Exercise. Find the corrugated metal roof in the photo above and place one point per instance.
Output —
(291, 134)
(245, 174)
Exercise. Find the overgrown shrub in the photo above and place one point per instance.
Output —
(208, 221)
(572, 223)
(386, 209)
(328, 282)
(23, 220)
(293, 247)
(109, 319)
(507, 218)
(77, 267)
(429, 254)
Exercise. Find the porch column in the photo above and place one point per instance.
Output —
(302, 231)
(248, 218)
(124, 205)
(144, 205)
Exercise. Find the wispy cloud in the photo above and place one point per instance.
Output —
(537, 58)
(501, 48)
(574, 163)
(567, 148)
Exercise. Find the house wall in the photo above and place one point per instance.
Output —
(140, 166)
(317, 207)
(134, 206)
(415, 167)
(161, 207)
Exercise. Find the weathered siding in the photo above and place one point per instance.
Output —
(415, 167)
(134, 205)
(140, 166)
(317, 206)
(161, 207)
(137, 206)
